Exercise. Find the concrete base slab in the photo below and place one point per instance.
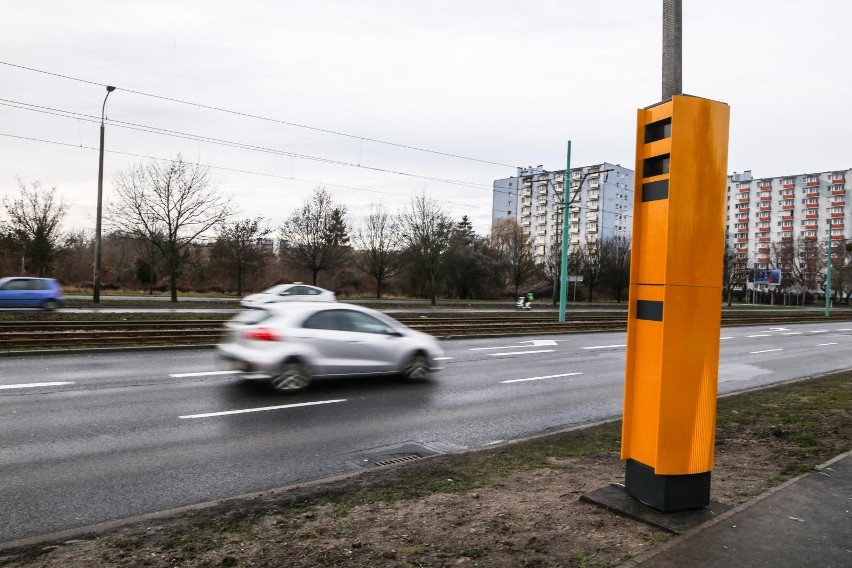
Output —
(615, 498)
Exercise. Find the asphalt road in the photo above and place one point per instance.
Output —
(119, 434)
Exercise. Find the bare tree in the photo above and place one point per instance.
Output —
(426, 231)
(378, 242)
(242, 243)
(169, 205)
(517, 249)
(615, 263)
(315, 236)
(591, 268)
(35, 219)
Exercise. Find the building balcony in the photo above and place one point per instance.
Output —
(765, 207)
(838, 203)
(763, 239)
(836, 215)
(810, 227)
(742, 240)
(788, 185)
(812, 193)
(763, 259)
(839, 181)
(811, 216)
(837, 237)
(786, 239)
(743, 189)
(766, 198)
(743, 200)
(812, 183)
(787, 207)
(838, 192)
(763, 250)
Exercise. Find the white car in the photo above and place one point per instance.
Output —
(295, 343)
(288, 293)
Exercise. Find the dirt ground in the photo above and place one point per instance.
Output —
(528, 519)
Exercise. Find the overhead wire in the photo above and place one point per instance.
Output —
(222, 142)
(263, 118)
(234, 170)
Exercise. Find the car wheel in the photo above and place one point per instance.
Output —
(417, 368)
(50, 305)
(291, 377)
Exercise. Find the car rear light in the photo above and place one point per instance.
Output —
(262, 334)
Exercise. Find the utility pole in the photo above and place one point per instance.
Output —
(672, 49)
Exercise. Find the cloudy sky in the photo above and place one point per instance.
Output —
(348, 94)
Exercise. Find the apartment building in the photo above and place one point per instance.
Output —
(600, 201)
(782, 222)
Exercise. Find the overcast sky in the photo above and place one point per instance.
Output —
(502, 81)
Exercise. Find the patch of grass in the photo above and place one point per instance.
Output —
(585, 561)
(656, 537)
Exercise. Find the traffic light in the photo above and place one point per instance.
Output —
(674, 317)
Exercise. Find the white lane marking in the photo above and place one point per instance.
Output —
(844, 329)
(36, 385)
(764, 351)
(604, 346)
(522, 352)
(202, 374)
(247, 410)
(779, 329)
(820, 331)
(729, 337)
(793, 333)
(444, 358)
(824, 344)
(758, 336)
(540, 378)
(489, 348)
(540, 342)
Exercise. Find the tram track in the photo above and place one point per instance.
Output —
(17, 336)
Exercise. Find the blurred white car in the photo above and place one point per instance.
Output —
(288, 293)
(294, 343)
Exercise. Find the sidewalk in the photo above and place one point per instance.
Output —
(804, 522)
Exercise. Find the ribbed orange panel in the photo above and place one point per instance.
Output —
(676, 274)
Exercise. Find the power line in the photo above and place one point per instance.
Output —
(267, 119)
(222, 142)
(234, 170)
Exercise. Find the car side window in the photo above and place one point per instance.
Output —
(326, 319)
(39, 285)
(18, 284)
(363, 323)
(295, 291)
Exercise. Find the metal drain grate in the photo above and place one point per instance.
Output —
(394, 461)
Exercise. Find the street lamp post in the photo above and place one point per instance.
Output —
(566, 203)
(96, 282)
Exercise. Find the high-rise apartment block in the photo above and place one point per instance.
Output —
(781, 222)
(600, 202)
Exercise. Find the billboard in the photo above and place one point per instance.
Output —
(768, 277)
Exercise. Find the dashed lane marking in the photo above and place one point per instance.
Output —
(202, 374)
(36, 385)
(824, 344)
(263, 409)
(764, 351)
(540, 378)
(522, 352)
(604, 346)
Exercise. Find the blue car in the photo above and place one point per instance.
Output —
(26, 292)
